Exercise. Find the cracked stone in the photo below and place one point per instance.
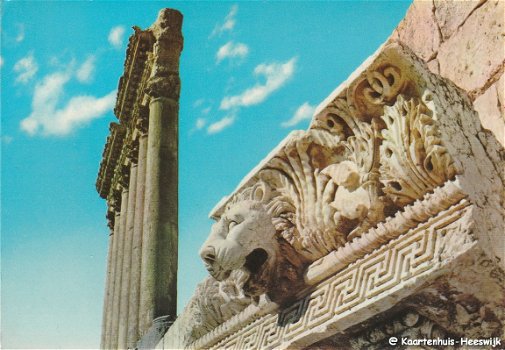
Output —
(419, 30)
(467, 59)
(491, 110)
(452, 14)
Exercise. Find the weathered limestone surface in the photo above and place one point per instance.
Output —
(108, 289)
(390, 205)
(419, 29)
(159, 245)
(490, 104)
(128, 238)
(136, 255)
(473, 54)
(450, 15)
(118, 271)
(462, 41)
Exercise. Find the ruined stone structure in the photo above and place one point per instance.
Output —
(384, 220)
(138, 177)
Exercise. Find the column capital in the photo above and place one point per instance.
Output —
(132, 151)
(165, 84)
(111, 217)
(114, 201)
(124, 176)
(165, 81)
(142, 121)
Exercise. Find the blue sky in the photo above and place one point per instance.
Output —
(251, 72)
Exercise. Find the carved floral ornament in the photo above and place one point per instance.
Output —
(374, 149)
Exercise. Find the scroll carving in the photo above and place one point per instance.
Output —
(379, 87)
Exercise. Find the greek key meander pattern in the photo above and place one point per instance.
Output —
(382, 272)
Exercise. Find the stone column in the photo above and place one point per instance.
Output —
(119, 268)
(107, 289)
(111, 286)
(128, 237)
(159, 245)
(136, 255)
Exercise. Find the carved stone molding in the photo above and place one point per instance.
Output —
(400, 267)
(393, 184)
(328, 185)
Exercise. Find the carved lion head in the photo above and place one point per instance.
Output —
(245, 238)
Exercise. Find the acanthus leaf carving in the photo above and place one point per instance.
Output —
(414, 160)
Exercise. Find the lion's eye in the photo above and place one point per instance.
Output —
(232, 224)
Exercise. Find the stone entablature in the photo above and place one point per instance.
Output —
(394, 191)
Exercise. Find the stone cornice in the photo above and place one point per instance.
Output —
(150, 71)
(110, 155)
(131, 84)
(130, 111)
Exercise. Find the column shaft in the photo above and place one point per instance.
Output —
(125, 279)
(112, 282)
(119, 269)
(136, 255)
(106, 298)
(159, 245)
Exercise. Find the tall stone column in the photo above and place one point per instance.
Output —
(119, 267)
(136, 255)
(128, 238)
(159, 245)
(106, 298)
(111, 286)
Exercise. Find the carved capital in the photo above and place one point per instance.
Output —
(132, 151)
(164, 85)
(142, 122)
(124, 175)
(114, 201)
(111, 218)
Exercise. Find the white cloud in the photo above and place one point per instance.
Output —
(232, 50)
(47, 119)
(228, 23)
(1, 61)
(85, 72)
(200, 123)
(304, 112)
(220, 125)
(116, 36)
(26, 68)
(21, 33)
(276, 75)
